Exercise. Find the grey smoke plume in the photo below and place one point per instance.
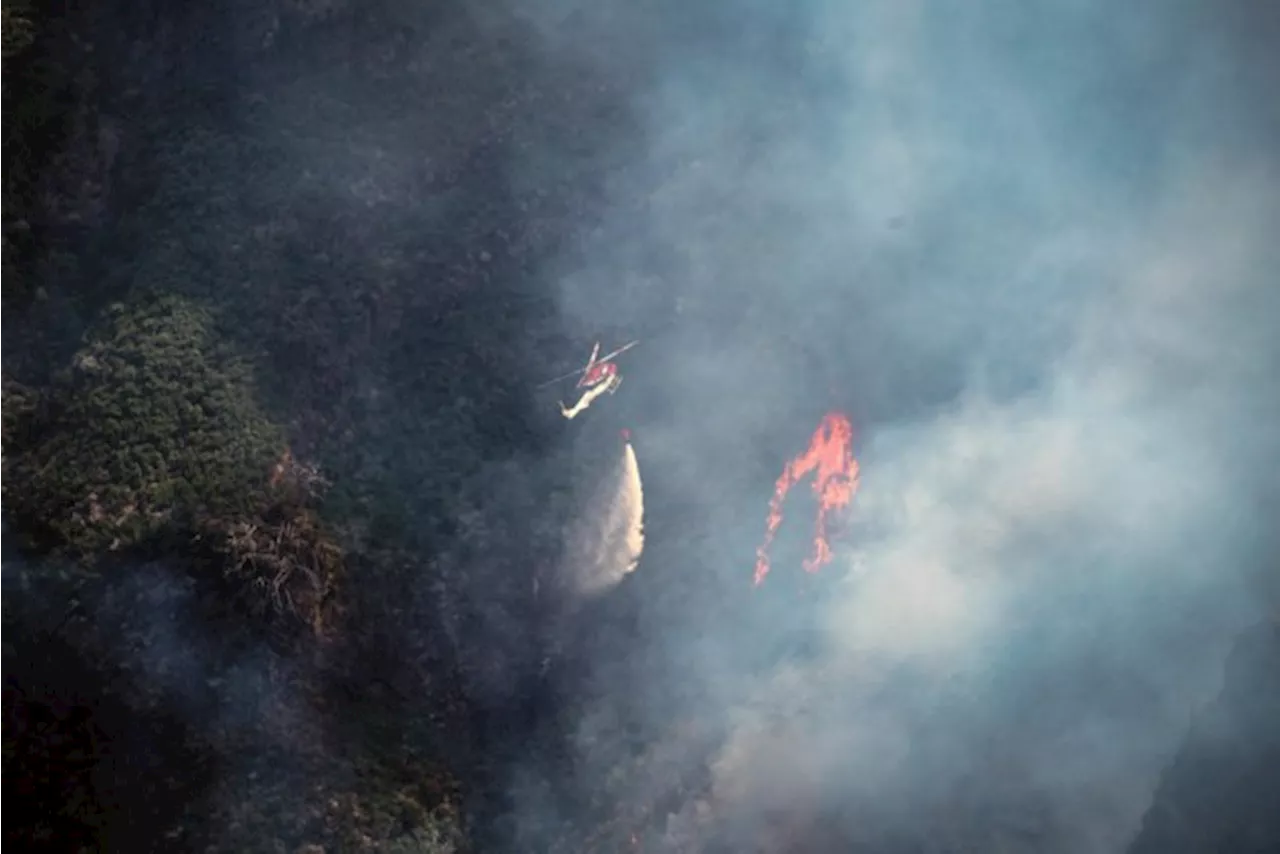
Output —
(1031, 249)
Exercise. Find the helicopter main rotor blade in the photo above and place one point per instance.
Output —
(572, 374)
(624, 348)
(561, 378)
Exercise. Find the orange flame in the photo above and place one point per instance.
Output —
(830, 458)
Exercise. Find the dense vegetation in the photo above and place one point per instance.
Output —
(151, 427)
(201, 349)
(22, 133)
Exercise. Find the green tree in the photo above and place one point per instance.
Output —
(24, 108)
(17, 27)
(155, 424)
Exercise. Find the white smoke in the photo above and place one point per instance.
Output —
(1034, 249)
(1047, 586)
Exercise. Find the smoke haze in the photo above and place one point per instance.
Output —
(1030, 249)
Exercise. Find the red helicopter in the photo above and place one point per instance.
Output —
(598, 377)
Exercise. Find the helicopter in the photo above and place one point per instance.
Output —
(600, 376)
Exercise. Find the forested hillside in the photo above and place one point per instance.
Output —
(287, 498)
(247, 381)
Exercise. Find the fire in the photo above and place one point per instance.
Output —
(830, 459)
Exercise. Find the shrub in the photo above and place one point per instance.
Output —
(17, 27)
(19, 402)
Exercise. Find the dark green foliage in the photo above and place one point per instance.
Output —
(155, 424)
(19, 404)
(17, 27)
(377, 806)
(296, 243)
(29, 130)
(54, 745)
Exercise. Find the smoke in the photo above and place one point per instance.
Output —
(604, 544)
(1029, 250)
